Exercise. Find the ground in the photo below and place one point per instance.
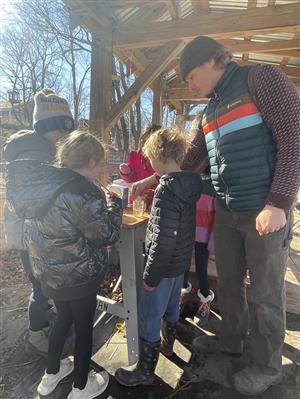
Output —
(184, 376)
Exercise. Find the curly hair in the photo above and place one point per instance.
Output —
(167, 144)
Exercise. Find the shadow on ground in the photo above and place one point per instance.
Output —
(183, 376)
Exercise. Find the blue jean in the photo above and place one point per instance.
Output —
(154, 305)
(38, 303)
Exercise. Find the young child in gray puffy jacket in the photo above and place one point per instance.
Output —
(68, 225)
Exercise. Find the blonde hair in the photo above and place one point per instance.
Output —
(146, 134)
(78, 149)
(167, 144)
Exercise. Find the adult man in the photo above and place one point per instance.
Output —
(250, 132)
(52, 119)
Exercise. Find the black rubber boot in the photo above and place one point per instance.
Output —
(141, 373)
(168, 332)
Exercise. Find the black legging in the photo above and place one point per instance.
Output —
(201, 261)
(81, 312)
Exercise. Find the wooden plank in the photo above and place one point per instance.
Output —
(252, 3)
(149, 74)
(285, 53)
(101, 87)
(248, 22)
(157, 104)
(172, 8)
(200, 6)
(181, 94)
(260, 47)
(290, 71)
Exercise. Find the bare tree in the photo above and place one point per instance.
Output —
(29, 62)
(73, 44)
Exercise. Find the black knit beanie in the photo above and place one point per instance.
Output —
(197, 52)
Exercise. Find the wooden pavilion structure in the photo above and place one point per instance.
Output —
(148, 36)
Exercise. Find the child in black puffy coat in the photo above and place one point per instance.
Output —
(169, 244)
(68, 225)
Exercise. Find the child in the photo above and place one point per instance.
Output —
(68, 225)
(138, 167)
(52, 120)
(205, 215)
(169, 244)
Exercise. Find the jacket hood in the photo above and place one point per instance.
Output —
(32, 186)
(21, 145)
(185, 185)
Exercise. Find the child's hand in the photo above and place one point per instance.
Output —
(147, 287)
(124, 169)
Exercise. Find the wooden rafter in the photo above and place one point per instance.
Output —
(252, 3)
(135, 90)
(288, 70)
(219, 25)
(172, 8)
(200, 7)
(260, 47)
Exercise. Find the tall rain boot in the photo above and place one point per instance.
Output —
(141, 373)
(168, 332)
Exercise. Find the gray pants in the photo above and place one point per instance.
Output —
(240, 248)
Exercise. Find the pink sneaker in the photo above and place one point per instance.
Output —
(204, 307)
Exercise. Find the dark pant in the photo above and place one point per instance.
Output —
(38, 303)
(81, 312)
(201, 261)
(154, 305)
(238, 248)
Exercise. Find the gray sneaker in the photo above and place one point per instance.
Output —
(251, 381)
(38, 341)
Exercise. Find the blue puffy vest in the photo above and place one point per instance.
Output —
(241, 149)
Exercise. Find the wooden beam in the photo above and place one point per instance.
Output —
(101, 87)
(284, 53)
(136, 89)
(200, 6)
(240, 46)
(252, 3)
(172, 8)
(288, 70)
(181, 94)
(218, 25)
(157, 104)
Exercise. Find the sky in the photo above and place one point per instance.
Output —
(6, 9)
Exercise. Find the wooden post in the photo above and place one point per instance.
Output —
(180, 121)
(157, 104)
(101, 87)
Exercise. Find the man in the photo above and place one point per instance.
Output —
(52, 119)
(250, 133)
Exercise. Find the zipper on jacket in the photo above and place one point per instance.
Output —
(217, 99)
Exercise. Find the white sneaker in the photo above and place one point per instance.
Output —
(50, 381)
(96, 384)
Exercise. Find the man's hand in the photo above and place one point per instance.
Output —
(147, 287)
(142, 185)
(270, 219)
(125, 169)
